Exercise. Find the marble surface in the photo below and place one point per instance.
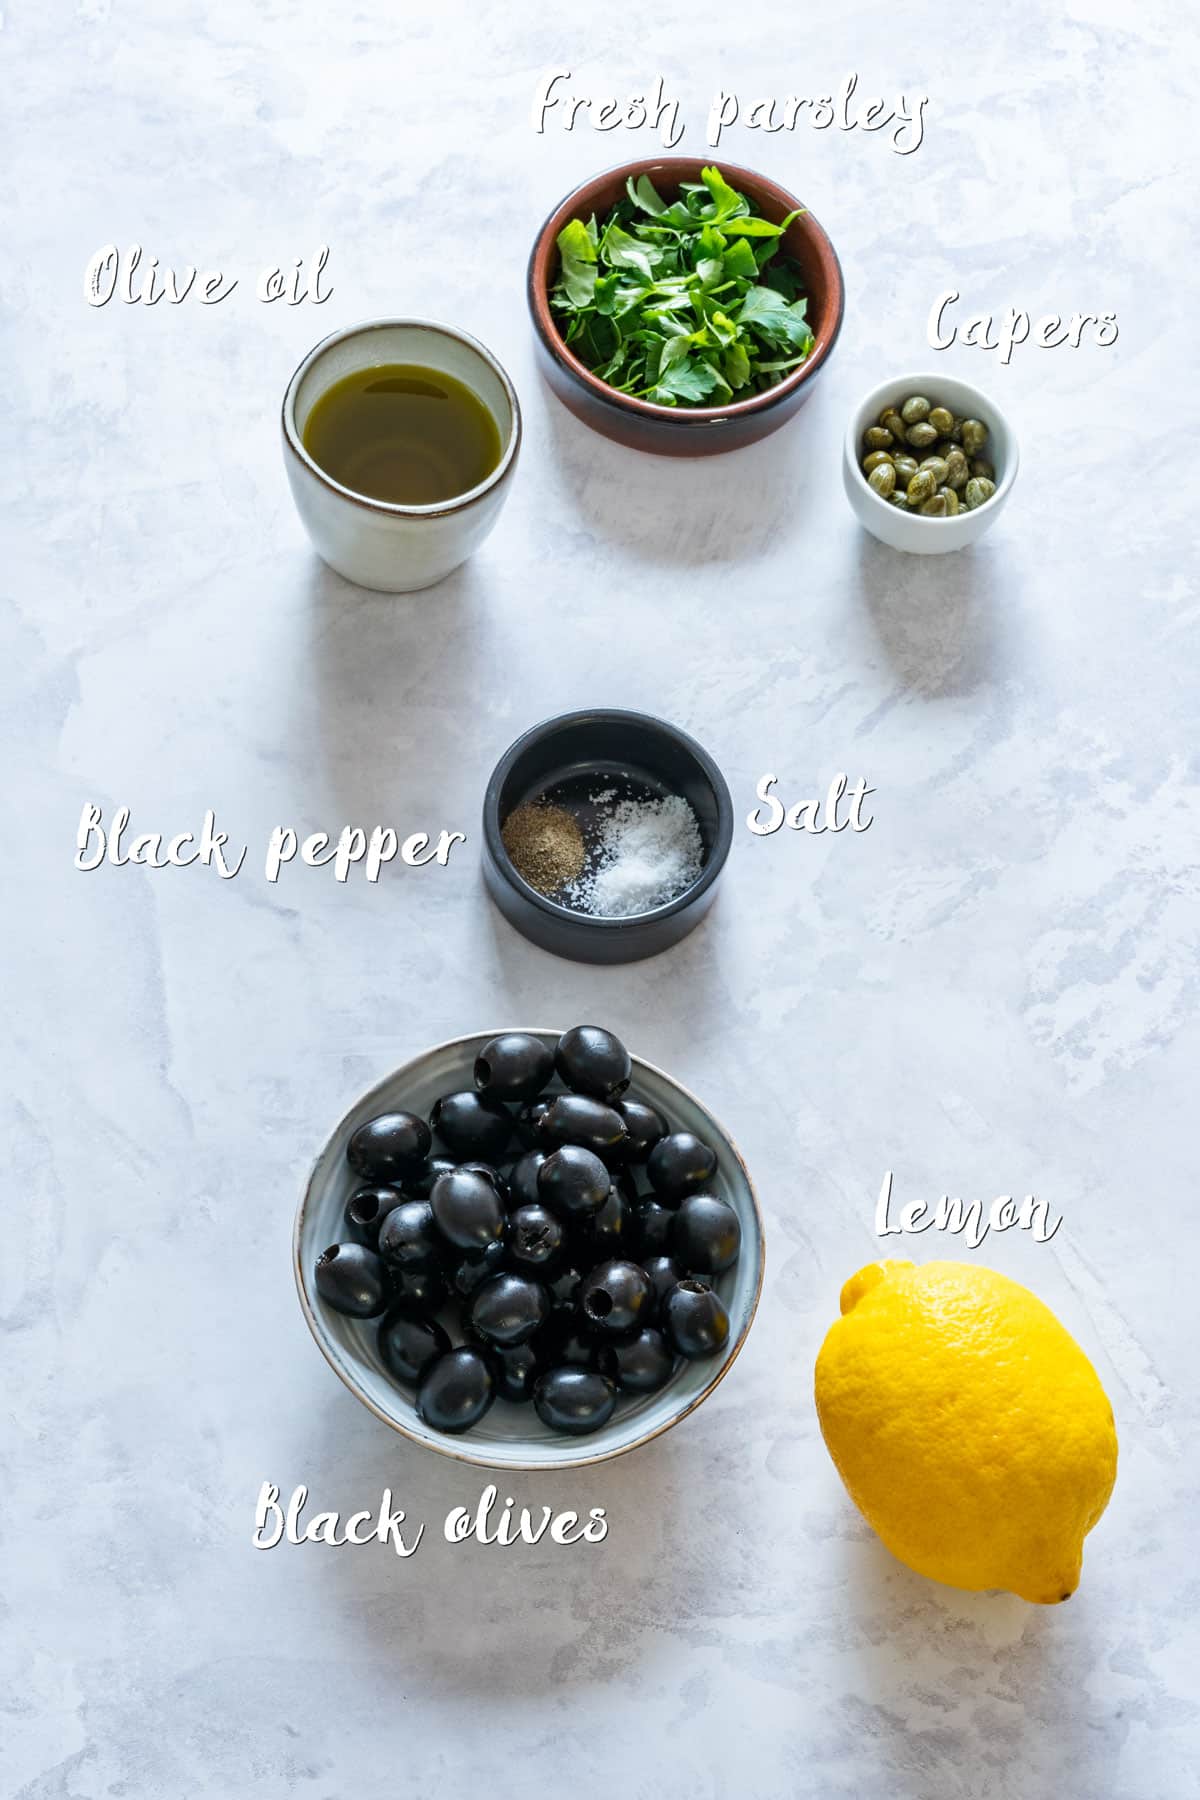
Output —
(992, 990)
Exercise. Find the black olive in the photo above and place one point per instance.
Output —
(389, 1147)
(416, 1288)
(529, 1124)
(650, 1230)
(680, 1164)
(420, 1186)
(593, 1061)
(408, 1346)
(536, 1239)
(522, 1178)
(366, 1209)
(574, 1400)
(573, 1181)
(605, 1234)
(514, 1066)
(489, 1174)
(471, 1270)
(564, 1288)
(566, 1339)
(616, 1299)
(467, 1210)
(645, 1127)
(516, 1371)
(590, 1124)
(644, 1364)
(352, 1280)
(694, 1319)
(664, 1273)
(508, 1309)
(456, 1390)
(471, 1126)
(408, 1237)
(705, 1234)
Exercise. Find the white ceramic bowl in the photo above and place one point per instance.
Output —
(513, 1437)
(911, 531)
(374, 543)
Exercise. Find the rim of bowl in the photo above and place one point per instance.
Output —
(447, 1444)
(675, 168)
(390, 508)
(921, 381)
(714, 862)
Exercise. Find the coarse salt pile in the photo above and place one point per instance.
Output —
(648, 852)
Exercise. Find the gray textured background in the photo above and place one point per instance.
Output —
(994, 989)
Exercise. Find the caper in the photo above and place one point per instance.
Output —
(878, 437)
(974, 436)
(883, 480)
(873, 462)
(906, 468)
(978, 489)
(979, 466)
(922, 487)
(935, 507)
(897, 497)
(956, 470)
(951, 498)
(890, 419)
(939, 465)
(942, 419)
(915, 409)
(921, 435)
(945, 445)
(956, 433)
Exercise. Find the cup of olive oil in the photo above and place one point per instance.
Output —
(400, 439)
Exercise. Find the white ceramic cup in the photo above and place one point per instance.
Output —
(397, 549)
(914, 532)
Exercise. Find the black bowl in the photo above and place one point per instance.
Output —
(615, 744)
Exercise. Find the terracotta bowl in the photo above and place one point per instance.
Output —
(685, 430)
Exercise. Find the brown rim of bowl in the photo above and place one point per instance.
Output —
(674, 169)
(451, 1449)
(389, 508)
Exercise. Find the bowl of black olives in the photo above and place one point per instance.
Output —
(529, 1250)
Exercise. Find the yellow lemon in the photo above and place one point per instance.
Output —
(970, 1429)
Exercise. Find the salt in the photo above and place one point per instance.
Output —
(648, 851)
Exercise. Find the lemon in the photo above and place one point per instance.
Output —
(968, 1426)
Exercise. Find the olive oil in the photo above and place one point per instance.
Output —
(408, 435)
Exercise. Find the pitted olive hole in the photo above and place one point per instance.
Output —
(599, 1304)
(365, 1210)
(692, 1286)
(327, 1256)
(483, 1071)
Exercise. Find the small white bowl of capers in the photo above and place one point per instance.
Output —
(928, 463)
